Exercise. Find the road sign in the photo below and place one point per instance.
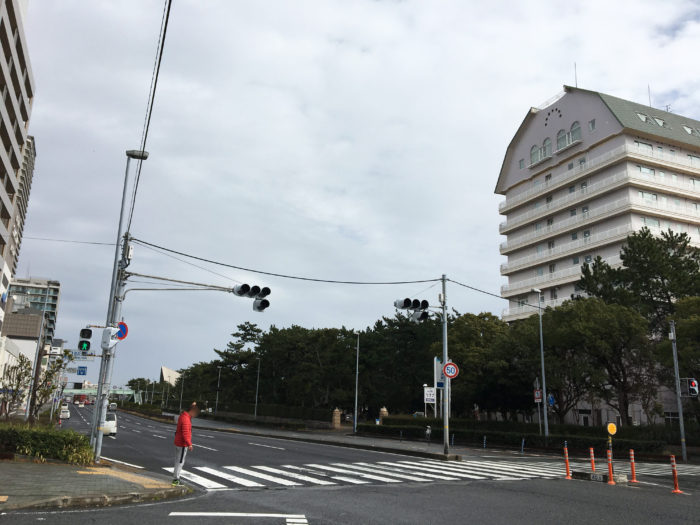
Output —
(72, 370)
(612, 429)
(438, 376)
(123, 331)
(82, 370)
(550, 400)
(429, 394)
(538, 395)
(450, 370)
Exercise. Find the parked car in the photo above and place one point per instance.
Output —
(65, 413)
(112, 406)
(81, 405)
(64, 405)
(110, 427)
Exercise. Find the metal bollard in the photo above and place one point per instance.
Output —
(452, 441)
(400, 436)
(634, 470)
(566, 461)
(675, 490)
(611, 479)
(522, 446)
(428, 432)
(484, 441)
(592, 459)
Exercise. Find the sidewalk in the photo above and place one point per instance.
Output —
(24, 484)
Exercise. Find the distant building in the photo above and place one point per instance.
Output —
(169, 376)
(17, 152)
(42, 295)
(582, 173)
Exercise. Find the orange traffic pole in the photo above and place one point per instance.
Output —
(592, 459)
(634, 470)
(611, 480)
(566, 461)
(675, 490)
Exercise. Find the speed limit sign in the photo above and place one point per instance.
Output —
(450, 370)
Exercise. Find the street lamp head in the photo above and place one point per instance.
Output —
(137, 154)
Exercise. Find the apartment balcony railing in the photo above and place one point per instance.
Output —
(678, 160)
(567, 249)
(526, 310)
(550, 278)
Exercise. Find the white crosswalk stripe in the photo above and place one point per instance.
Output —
(362, 473)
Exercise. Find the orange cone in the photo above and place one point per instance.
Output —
(634, 470)
(675, 490)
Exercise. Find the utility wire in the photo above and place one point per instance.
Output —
(283, 276)
(151, 99)
(488, 293)
(69, 240)
(168, 279)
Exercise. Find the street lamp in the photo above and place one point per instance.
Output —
(540, 299)
(357, 376)
(218, 385)
(257, 385)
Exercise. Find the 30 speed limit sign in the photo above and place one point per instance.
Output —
(450, 370)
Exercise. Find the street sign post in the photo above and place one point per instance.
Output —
(450, 370)
(429, 395)
(550, 400)
(123, 331)
(538, 395)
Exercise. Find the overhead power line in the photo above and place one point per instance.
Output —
(149, 105)
(69, 240)
(281, 275)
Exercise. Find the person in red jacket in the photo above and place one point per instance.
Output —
(183, 439)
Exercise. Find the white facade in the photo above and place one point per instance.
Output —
(580, 175)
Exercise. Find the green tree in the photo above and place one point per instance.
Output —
(14, 384)
(48, 381)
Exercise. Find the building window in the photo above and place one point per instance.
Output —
(644, 147)
(547, 177)
(644, 118)
(575, 260)
(582, 162)
(694, 160)
(575, 131)
(647, 172)
(651, 222)
(550, 245)
(688, 129)
(534, 154)
(572, 213)
(548, 199)
(591, 125)
(547, 147)
(584, 211)
(572, 189)
(570, 166)
(552, 293)
(540, 249)
(550, 221)
(539, 272)
(574, 236)
(648, 196)
(552, 268)
(561, 139)
(588, 259)
(538, 226)
(586, 234)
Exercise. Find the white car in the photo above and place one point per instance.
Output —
(81, 405)
(65, 413)
(64, 405)
(110, 427)
(112, 406)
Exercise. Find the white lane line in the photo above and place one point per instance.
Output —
(352, 481)
(230, 477)
(266, 446)
(397, 468)
(481, 470)
(121, 462)
(134, 430)
(150, 426)
(238, 515)
(345, 470)
(111, 437)
(421, 466)
(157, 436)
(503, 470)
(138, 423)
(266, 477)
(199, 480)
(378, 470)
(294, 475)
(202, 446)
(205, 436)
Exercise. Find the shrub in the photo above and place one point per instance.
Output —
(44, 443)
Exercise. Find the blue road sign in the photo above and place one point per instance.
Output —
(82, 370)
(550, 400)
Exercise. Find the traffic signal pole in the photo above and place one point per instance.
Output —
(116, 293)
(672, 335)
(446, 397)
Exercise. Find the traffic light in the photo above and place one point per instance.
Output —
(693, 387)
(84, 343)
(109, 339)
(255, 292)
(418, 307)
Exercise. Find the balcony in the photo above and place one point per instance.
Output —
(550, 279)
(567, 249)
(526, 310)
(677, 161)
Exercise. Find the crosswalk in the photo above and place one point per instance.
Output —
(232, 477)
(642, 469)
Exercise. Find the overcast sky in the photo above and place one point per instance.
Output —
(350, 140)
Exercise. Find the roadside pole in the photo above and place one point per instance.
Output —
(446, 398)
(672, 336)
(357, 377)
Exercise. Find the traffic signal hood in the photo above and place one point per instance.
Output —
(693, 387)
(419, 308)
(255, 292)
(84, 343)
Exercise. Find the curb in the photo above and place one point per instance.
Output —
(360, 446)
(594, 476)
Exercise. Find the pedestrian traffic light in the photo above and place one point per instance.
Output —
(255, 292)
(419, 308)
(84, 343)
(693, 387)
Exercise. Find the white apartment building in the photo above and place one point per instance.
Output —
(582, 173)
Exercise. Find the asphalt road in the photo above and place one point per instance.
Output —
(256, 481)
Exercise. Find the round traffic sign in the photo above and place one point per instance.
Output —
(450, 370)
(123, 331)
(612, 429)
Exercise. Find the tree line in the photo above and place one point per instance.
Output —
(609, 343)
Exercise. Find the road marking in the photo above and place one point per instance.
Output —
(352, 481)
(392, 467)
(111, 437)
(121, 462)
(421, 466)
(354, 473)
(202, 446)
(239, 515)
(266, 477)
(150, 426)
(134, 430)
(498, 473)
(205, 436)
(294, 475)
(199, 480)
(157, 436)
(389, 473)
(266, 446)
(138, 423)
(230, 477)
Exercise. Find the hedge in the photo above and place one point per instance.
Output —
(513, 439)
(44, 443)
